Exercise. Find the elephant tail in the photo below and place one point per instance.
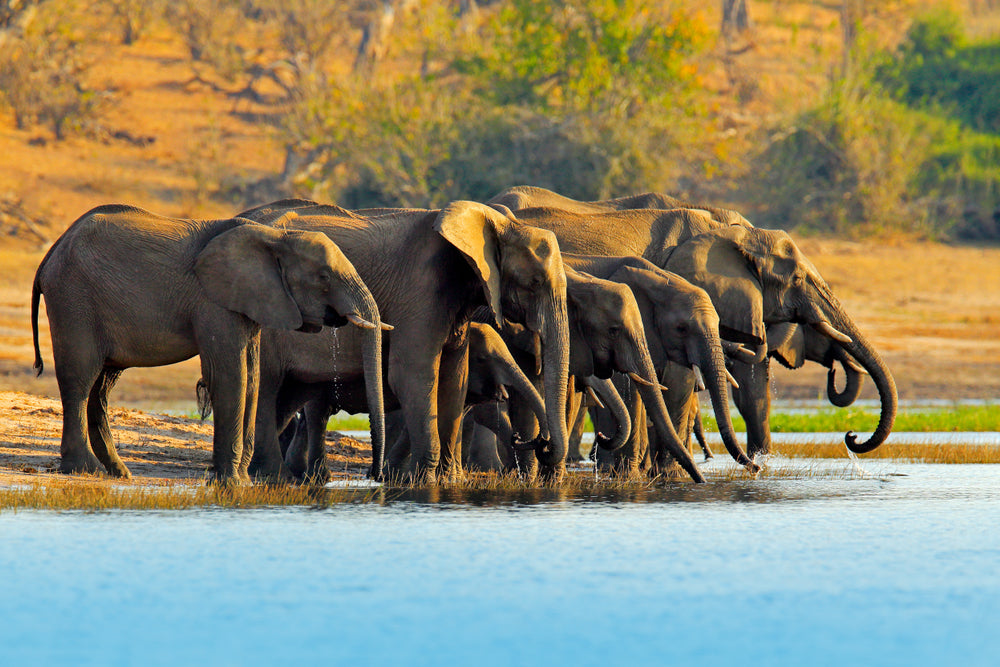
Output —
(36, 294)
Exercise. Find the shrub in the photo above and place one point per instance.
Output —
(42, 68)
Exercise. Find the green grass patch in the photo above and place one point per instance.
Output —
(958, 418)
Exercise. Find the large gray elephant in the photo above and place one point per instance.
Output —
(607, 336)
(429, 272)
(682, 329)
(755, 278)
(124, 287)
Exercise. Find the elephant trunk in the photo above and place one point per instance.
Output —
(652, 397)
(862, 350)
(711, 360)
(852, 388)
(526, 391)
(555, 369)
(371, 351)
(612, 400)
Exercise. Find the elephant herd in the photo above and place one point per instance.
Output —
(490, 328)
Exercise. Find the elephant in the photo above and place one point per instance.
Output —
(682, 330)
(607, 335)
(125, 287)
(525, 196)
(753, 396)
(429, 271)
(491, 371)
(755, 278)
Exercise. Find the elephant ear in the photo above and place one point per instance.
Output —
(787, 342)
(239, 271)
(473, 229)
(649, 290)
(717, 262)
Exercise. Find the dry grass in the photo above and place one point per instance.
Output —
(908, 453)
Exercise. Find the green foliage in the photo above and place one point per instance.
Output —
(585, 98)
(606, 55)
(909, 145)
(43, 67)
(962, 418)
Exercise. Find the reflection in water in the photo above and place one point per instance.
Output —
(834, 570)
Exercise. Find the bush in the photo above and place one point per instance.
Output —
(597, 110)
(909, 146)
(42, 68)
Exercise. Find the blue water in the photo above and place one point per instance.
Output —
(898, 570)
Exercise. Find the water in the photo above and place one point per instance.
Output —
(897, 568)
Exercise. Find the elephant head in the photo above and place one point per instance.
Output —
(521, 273)
(608, 336)
(300, 281)
(492, 369)
(682, 326)
(759, 277)
(793, 345)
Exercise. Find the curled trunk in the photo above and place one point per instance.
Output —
(852, 387)
(862, 350)
(612, 400)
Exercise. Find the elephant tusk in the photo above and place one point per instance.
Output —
(503, 393)
(732, 380)
(699, 379)
(738, 352)
(593, 396)
(827, 329)
(359, 321)
(643, 381)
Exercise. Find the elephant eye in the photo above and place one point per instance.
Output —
(682, 328)
(798, 280)
(614, 331)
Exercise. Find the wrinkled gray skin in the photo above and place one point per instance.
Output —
(429, 271)
(682, 330)
(607, 336)
(755, 278)
(791, 345)
(124, 287)
(492, 371)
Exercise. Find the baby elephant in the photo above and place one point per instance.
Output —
(124, 287)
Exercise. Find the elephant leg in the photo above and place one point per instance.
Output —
(76, 373)
(578, 418)
(251, 358)
(399, 451)
(415, 384)
(452, 388)
(294, 441)
(317, 415)
(753, 400)
(266, 462)
(226, 379)
(98, 426)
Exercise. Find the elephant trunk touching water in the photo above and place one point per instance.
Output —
(871, 361)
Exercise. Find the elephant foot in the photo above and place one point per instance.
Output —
(118, 469)
(552, 474)
(230, 481)
(318, 474)
(451, 474)
(81, 464)
(270, 473)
